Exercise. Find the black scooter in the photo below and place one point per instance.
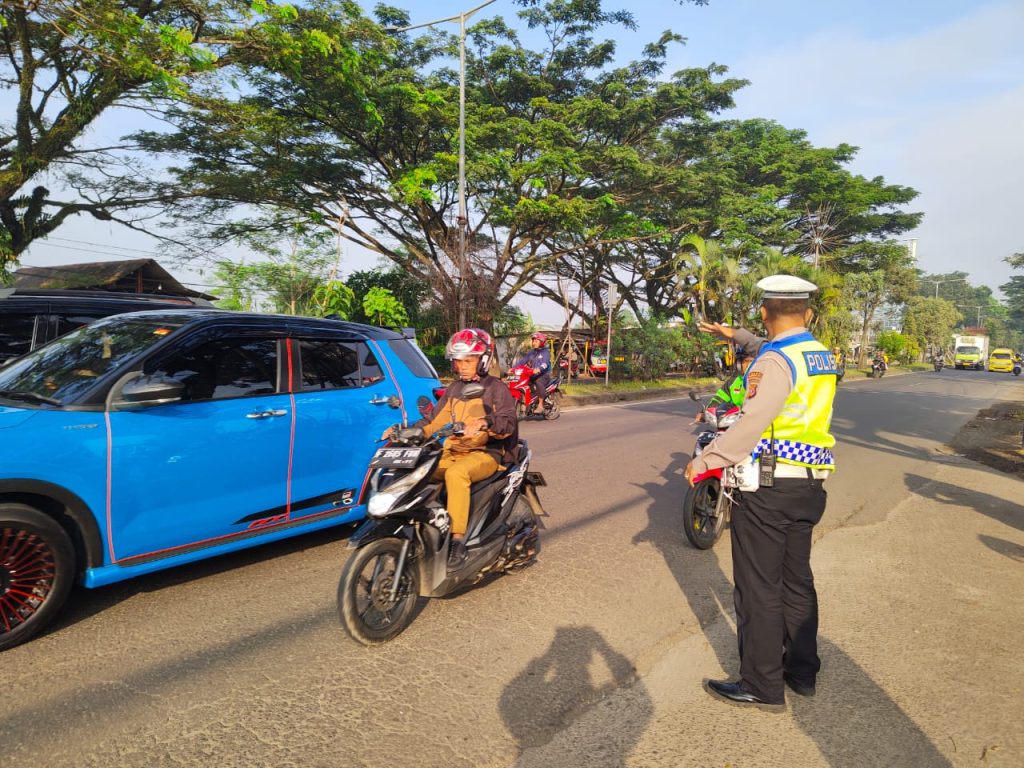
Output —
(938, 363)
(402, 548)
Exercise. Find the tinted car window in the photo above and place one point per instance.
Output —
(16, 332)
(410, 354)
(62, 324)
(337, 365)
(222, 368)
(69, 366)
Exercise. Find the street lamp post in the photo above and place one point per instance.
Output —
(940, 282)
(463, 220)
(974, 306)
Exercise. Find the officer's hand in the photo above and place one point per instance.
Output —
(536, 371)
(698, 417)
(689, 473)
(389, 432)
(716, 328)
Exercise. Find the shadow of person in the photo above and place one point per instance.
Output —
(855, 723)
(578, 670)
(1003, 547)
(1006, 512)
(700, 578)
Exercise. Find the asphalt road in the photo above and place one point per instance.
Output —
(241, 660)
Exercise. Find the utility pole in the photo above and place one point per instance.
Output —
(613, 296)
(463, 218)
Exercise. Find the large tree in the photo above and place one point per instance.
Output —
(556, 143)
(744, 186)
(63, 63)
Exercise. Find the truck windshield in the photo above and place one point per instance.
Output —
(968, 351)
(64, 369)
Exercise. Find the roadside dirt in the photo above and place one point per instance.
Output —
(994, 438)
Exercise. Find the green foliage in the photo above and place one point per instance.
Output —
(651, 349)
(63, 63)
(901, 348)
(333, 297)
(930, 321)
(381, 306)
(512, 321)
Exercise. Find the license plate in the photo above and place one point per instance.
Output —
(396, 458)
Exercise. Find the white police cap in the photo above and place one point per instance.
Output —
(786, 287)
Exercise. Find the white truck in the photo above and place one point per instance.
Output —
(970, 350)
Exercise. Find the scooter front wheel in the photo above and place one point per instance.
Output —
(367, 609)
(704, 511)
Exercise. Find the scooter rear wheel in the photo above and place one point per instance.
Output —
(365, 606)
(704, 512)
(554, 409)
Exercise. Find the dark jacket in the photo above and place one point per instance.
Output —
(496, 405)
(537, 358)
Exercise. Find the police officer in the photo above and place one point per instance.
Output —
(784, 426)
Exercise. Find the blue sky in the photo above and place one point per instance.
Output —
(931, 91)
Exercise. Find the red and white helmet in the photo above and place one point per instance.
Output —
(541, 337)
(469, 342)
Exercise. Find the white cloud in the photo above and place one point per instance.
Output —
(939, 110)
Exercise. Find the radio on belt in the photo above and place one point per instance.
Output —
(766, 468)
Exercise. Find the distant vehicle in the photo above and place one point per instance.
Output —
(1001, 360)
(31, 317)
(970, 351)
(150, 440)
(598, 361)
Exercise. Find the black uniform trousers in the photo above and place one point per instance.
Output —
(776, 605)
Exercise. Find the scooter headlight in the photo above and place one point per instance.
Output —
(383, 501)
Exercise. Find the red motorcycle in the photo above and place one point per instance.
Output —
(526, 405)
(707, 506)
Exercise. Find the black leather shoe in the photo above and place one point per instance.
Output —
(457, 555)
(797, 687)
(735, 693)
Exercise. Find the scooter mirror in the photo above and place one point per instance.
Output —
(694, 396)
(472, 391)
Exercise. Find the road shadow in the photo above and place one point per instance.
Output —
(855, 723)
(913, 418)
(700, 578)
(1006, 512)
(1003, 547)
(576, 672)
(84, 603)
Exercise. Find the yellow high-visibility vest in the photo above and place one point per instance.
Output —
(800, 433)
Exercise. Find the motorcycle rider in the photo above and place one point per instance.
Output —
(882, 359)
(491, 433)
(736, 392)
(538, 359)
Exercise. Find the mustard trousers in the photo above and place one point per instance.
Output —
(460, 471)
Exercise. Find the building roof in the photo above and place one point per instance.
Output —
(127, 276)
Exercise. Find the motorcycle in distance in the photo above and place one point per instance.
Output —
(938, 362)
(707, 506)
(526, 404)
(1016, 367)
(401, 551)
(878, 368)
